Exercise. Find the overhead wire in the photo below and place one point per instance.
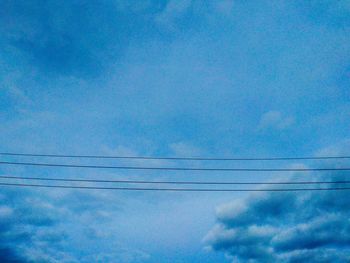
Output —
(65, 165)
(172, 182)
(176, 189)
(176, 168)
(175, 158)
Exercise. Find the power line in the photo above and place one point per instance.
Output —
(177, 189)
(173, 182)
(178, 168)
(177, 158)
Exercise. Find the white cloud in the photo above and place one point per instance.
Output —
(5, 211)
(185, 149)
(173, 10)
(275, 120)
(224, 6)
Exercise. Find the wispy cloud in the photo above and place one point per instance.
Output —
(275, 120)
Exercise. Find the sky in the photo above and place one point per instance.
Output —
(224, 78)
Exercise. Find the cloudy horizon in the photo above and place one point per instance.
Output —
(218, 79)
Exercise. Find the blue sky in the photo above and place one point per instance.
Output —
(176, 78)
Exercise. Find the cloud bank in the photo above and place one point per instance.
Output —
(42, 226)
(285, 227)
(26, 233)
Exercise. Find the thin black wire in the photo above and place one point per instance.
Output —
(177, 189)
(175, 158)
(172, 182)
(179, 168)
